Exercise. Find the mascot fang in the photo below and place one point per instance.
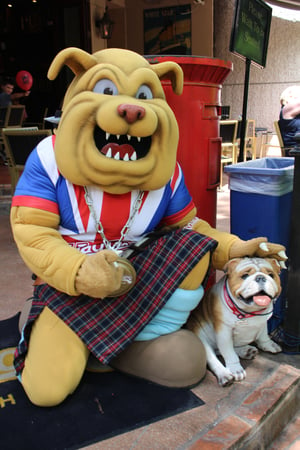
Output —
(101, 215)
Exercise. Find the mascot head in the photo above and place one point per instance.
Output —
(116, 130)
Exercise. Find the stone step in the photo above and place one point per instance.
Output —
(262, 416)
(247, 415)
(289, 437)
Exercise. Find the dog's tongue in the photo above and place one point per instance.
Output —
(261, 300)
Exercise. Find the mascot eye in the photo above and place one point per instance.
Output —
(144, 92)
(246, 275)
(106, 87)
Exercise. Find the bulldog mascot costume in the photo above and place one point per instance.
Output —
(102, 217)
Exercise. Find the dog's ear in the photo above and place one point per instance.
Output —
(275, 264)
(231, 265)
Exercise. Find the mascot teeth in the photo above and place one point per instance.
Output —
(121, 147)
(117, 156)
(107, 136)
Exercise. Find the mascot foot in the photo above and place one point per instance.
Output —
(174, 360)
(94, 365)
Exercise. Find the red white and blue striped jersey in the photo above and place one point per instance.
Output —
(42, 186)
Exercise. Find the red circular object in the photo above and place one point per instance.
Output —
(24, 80)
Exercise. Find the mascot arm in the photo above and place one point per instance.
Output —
(231, 246)
(225, 240)
(48, 256)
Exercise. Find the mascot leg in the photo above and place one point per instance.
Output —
(175, 360)
(55, 361)
(196, 276)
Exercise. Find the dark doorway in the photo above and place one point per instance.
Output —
(31, 34)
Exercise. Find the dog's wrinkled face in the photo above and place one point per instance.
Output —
(117, 130)
(254, 282)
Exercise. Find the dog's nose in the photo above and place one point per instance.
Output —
(131, 113)
(260, 279)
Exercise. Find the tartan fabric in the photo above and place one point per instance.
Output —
(107, 326)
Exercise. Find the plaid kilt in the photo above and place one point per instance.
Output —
(109, 325)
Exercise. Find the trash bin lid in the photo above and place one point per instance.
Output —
(262, 166)
(265, 176)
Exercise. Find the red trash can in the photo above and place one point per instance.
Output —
(198, 111)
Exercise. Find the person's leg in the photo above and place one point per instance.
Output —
(55, 361)
(175, 360)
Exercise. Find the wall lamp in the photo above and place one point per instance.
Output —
(105, 25)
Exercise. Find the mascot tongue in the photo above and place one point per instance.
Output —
(261, 300)
(122, 149)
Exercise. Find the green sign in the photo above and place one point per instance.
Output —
(250, 30)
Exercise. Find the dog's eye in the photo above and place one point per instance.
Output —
(144, 92)
(244, 276)
(106, 86)
(271, 275)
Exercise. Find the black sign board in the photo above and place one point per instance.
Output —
(251, 29)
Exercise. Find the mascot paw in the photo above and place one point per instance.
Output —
(98, 276)
(259, 247)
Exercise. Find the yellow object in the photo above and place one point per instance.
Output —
(43, 383)
(79, 160)
(114, 92)
(7, 370)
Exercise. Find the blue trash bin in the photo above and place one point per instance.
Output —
(260, 205)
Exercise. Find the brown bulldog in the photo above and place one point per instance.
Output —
(234, 314)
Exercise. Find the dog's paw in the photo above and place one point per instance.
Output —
(270, 346)
(225, 378)
(246, 352)
(237, 371)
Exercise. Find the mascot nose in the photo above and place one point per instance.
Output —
(260, 279)
(131, 113)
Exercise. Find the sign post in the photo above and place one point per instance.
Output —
(249, 40)
(291, 324)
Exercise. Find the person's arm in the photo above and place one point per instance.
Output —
(15, 97)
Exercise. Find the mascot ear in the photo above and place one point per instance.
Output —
(171, 71)
(76, 59)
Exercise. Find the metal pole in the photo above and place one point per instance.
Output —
(291, 323)
(244, 116)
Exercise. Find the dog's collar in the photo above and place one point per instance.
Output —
(238, 312)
